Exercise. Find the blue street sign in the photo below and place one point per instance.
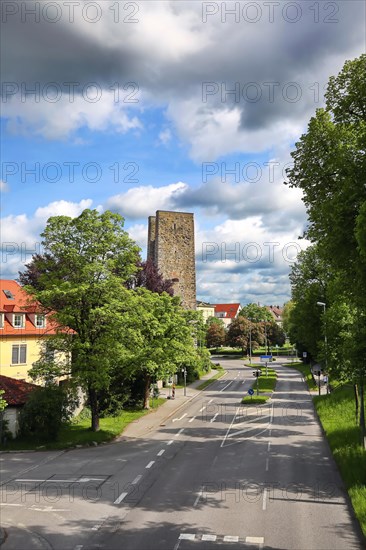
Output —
(266, 358)
(250, 391)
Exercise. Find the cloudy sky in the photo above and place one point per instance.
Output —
(190, 106)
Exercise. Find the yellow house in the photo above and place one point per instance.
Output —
(207, 310)
(23, 329)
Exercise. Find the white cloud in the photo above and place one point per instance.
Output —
(165, 136)
(3, 186)
(141, 202)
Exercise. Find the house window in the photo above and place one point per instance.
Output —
(19, 354)
(40, 321)
(18, 320)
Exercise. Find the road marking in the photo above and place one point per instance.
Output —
(75, 480)
(49, 509)
(229, 428)
(177, 419)
(170, 442)
(267, 464)
(214, 417)
(224, 388)
(202, 409)
(78, 547)
(9, 504)
(269, 446)
(270, 432)
(96, 527)
(210, 401)
(161, 452)
(197, 499)
(254, 540)
(264, 505)
(193, 418)
(209, 538)
(187, 536)
(214, 460)
(150, 464)
(230, 538)
(178, 433)
(120, 498)
(136, 480)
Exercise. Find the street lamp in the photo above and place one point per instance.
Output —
(323, 305)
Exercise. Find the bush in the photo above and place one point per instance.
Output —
(45, 411)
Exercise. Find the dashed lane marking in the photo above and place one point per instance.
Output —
(193, 418)
(161, 452)
(254, 540)
(214, 417)
(120, 498)
(202, 409)
(231, 538)
(267, 464)
(209, 538)
(150, 464)
(264, 505)
(178, 433)
(177, 419)
(136, 480)
(170, 442)
(187, 536)
(224, 388)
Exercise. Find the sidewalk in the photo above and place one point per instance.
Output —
(159, 416)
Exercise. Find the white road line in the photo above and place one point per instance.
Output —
(161, 452)
(9, 504)
(177, 419)
(267, 464)
(214, 417)
(178, 433)
(269, 446)
(264, 505)
(230, 538)
(224, 388)
(209, 538)
(136, 480)
(229, 428)
(96, 527)
(270, 432)
(150, 464)
(210, 401)
(202, 409)
(120, 498)
(254, 540)
(197, 499)
(187, 536)
(170, 442)
(193, 418)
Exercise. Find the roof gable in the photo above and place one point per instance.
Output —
(16, 391)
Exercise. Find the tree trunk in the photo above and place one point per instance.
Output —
(147, 392)
(362, 414)
(93, 400)
(355, 388)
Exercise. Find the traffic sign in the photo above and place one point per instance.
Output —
(250, 391)
(266, 358)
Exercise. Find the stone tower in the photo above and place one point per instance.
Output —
(171, 247)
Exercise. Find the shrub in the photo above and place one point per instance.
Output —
(45, 411)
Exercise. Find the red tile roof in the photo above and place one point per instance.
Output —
(231, 310)
(16, 391)
(21, 303)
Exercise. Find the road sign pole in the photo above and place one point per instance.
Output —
(266, 368)
(257, 384)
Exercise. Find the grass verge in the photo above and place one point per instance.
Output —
(306, 372)
(79, 433)
(210, 380)
(337, 415)
(266, 384)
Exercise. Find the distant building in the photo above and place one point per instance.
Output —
(276, 312)
(23, 328)
(207, 310)
(227, 312)
(171, 247)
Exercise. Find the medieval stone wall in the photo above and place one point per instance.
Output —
(171, 246)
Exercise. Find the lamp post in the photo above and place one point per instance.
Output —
(323, 305)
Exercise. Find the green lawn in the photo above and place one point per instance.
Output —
(306, 372)
(337, 415)
(266, 384)
(79, 433)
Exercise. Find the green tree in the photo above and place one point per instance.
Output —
(241, 331)
(161, 338)
(256, 313)
(80, 278)
(3, 403)
(329, 167)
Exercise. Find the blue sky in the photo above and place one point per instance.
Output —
(175, 137)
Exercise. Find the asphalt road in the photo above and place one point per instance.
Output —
(215, 475)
